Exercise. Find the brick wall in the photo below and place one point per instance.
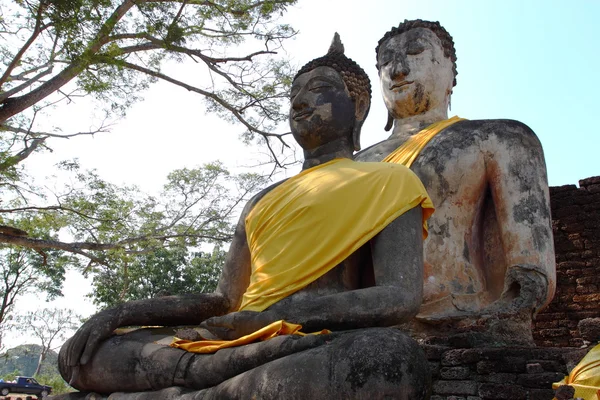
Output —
(510, 373)
(576, 227)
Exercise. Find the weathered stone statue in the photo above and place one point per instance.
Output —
(490, 248)
(337, 247)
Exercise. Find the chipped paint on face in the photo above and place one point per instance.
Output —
(415, 75)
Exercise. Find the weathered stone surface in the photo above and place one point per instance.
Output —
(540, 380)
(498, 377)
(541, 394)
(355, 361)
(434, 369)
(455, 387)
(576, 216)
(433, 352)
(460, 168)
(538, 369)
(565, 392)
(533, 368)
(491, 391)
(509, 364)
(454, 373)
(460, 356)
(589, 329)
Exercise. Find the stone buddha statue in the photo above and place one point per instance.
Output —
(490, 249)
(337, 249)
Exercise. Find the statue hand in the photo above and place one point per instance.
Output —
(237, 324)
(84, 343)
(524, 289)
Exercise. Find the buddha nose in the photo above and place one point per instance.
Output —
(299, 101)
(399, 67)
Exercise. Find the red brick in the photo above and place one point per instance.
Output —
(585, 298)
(583, 289)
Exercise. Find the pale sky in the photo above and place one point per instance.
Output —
(535, 61)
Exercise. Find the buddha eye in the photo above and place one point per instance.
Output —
(319, 87)
(414, 48)
(385, 59)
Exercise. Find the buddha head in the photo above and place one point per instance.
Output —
(330, 99)
(417, 68)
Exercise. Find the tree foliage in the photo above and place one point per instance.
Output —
(22, 271)
(54, 51)
(113, 225)
(114, 48)
(161, 273)
(50, 326)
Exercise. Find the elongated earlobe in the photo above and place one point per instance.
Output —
(390, 123)
(363, 104)
(356, 134)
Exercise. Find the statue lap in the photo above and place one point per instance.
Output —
(374, 362)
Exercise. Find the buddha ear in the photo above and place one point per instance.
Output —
(362, 105)
(390, 122)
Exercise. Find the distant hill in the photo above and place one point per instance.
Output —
(24, 358)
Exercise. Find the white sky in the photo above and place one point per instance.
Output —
(533, 61)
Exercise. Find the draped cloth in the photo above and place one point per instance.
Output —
(312, 222)
(407, 153)
(309, 224)
(270, 331)
(585, 377)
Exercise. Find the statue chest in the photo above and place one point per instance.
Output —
(354, 272)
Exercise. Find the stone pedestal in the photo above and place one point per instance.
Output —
(498, 373)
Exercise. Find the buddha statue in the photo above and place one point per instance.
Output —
(490, 250)
(337, 249)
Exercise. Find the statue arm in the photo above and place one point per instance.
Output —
(397, 253)
(189, 309)
(516, 172)
(192, 309)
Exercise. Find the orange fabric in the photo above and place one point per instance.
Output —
(277, 328)
(585, 377)
(309, 224)
(407, 153)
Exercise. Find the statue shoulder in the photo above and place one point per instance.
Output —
(508, 132)
(258, 197)
(507, 128)
(378, 151)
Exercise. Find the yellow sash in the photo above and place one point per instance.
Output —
(277, 328)
(585, 377)
(309, 224)
(407, 153)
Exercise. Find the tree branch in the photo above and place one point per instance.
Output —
(26, 84)
(40, 244)
(17, 58)
(13, 106)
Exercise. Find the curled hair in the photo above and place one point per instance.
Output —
(435, 27)
(354, 77)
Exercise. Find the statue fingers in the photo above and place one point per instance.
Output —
(224, 321)
(91, 345)
(76, 346)
(221, 332)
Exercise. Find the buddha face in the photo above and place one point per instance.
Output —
(321, 108)
(415, 76)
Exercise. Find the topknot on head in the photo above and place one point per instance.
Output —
(336, 45)
(435, 27)
(354, 77)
